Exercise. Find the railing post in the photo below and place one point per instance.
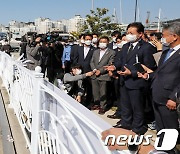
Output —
(35, 113)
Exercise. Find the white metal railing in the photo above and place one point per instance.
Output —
(52, 122)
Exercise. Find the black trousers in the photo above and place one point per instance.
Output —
(88, 91)
(132, 112)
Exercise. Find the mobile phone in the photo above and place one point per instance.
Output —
(139, 68)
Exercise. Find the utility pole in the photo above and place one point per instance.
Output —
(93, 5)
(135, 10)
(159, 20)
(120, 12)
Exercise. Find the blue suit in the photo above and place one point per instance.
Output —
(165, 85)
(132, 87)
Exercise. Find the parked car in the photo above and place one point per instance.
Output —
(15, 43)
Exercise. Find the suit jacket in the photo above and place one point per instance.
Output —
(107, 59)
(74, 50)
(144, 51)
(110, 45)
(84, 62)
(166, 79)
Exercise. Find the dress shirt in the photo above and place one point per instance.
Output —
(114, 46)
(134, 44)
(66, 54)
(86, 50)
(177, 47)
(102, 52)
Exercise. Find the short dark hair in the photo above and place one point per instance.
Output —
(123, 35)
(138, 25)
(119, 37)
(90, 35)
(95, 34)
(82, 35)
(146, 37)
(115, 33)
(152, 34)
(76, 66)
(158, 35)
(104, 37)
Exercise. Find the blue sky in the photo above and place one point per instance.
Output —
(28, 10)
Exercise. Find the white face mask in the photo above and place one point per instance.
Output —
(164, 42)
(82, 41)
(94, 40)
(131, 38)
(102, 45)
(5, 43)
(123, 42)
(114, 39)
(88, 42)
(119, 45)
(78, 71)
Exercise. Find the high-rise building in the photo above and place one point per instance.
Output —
(74, 24)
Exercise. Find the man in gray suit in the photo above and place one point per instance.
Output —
(101, 57)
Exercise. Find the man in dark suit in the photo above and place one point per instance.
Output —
(114, 88)
(83, 58)
(101, 57)
(166, 80)
(132, 88)
(74, 49)
(114, 35)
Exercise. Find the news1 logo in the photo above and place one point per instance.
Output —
(169, 138)
(166, 139)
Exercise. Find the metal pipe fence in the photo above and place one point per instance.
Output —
(52, 122)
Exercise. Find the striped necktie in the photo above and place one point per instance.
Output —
(130, 48)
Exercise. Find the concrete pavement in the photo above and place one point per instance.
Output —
(15, 135)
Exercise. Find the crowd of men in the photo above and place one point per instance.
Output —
(123, 73)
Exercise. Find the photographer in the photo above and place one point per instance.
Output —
(23, 45)
(6, 47)
(44, 53)
(54, 64)
(33, 54)
(73, 82)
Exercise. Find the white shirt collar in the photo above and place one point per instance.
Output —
(177, 47)
(102, 52)
(134, 44)
(86, 50)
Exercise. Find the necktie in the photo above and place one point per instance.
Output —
(168, 54)
(130, 48)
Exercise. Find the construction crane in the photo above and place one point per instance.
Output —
(148, 16)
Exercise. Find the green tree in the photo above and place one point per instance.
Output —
(99, 22)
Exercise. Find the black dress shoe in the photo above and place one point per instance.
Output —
(121, 126)
(118, 122)
(114, 116)
(101, 111)
(118, 126)
(95, 107)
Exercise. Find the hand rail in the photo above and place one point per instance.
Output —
(52, 121)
